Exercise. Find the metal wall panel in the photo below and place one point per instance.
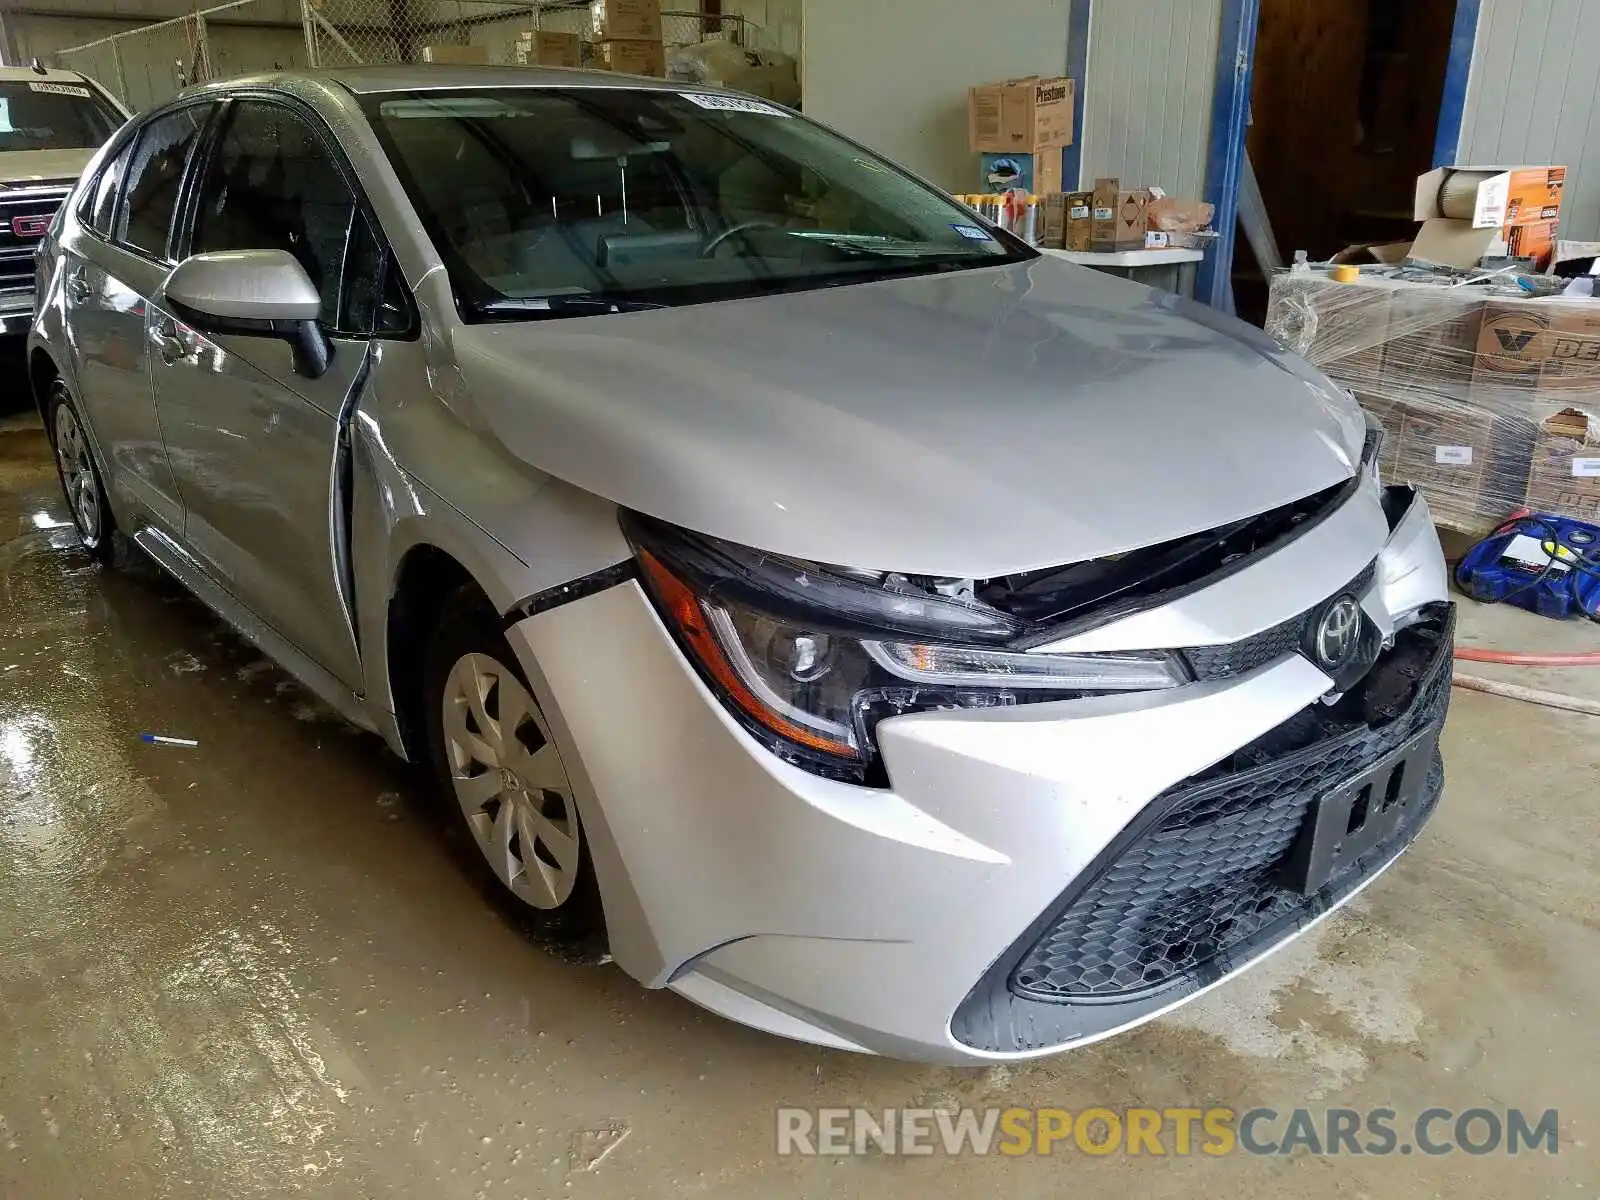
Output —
(895, 74)
(1147, 114)
(1533, 97)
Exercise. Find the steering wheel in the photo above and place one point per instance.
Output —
(732, 230)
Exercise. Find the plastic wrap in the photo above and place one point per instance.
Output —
(1487, 400)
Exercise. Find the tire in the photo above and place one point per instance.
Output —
(509, 795)
(81, 481)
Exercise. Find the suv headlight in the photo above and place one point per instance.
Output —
(810, 658)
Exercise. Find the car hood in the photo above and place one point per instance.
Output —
(34, 166)
(970, 424)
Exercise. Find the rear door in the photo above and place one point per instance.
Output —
(123, 258)
(256, 445)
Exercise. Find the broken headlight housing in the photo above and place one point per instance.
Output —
(810, 658)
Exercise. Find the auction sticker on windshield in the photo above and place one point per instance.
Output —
(60, 89)
(733, 104)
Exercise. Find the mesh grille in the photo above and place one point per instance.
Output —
(1236, 658)
(1208, 875)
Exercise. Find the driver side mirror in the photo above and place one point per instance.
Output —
(254, 293)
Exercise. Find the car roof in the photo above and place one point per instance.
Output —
(403, 78)
(29, 75)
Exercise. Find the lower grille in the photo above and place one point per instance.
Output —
(1204, 881)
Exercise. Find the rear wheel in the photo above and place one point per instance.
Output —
(80, 479)
(496, 760)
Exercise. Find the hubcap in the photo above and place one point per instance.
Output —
(77, 475)
(510, 781)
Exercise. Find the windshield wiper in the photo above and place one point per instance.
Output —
(563, 306)
(889, 247)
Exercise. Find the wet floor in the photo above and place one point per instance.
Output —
(256, 966)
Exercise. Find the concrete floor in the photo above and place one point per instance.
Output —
(257, 966)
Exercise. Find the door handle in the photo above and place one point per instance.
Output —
(164, 337)
(78, 288)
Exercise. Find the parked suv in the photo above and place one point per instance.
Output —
(874, 630)
(51, 123)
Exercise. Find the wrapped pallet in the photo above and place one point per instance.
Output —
(1486, 401)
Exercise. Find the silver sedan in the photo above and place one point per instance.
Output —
(874, 630)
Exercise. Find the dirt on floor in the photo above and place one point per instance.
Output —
(256, 966)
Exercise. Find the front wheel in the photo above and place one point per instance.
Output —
(80, 479)
(495, 758)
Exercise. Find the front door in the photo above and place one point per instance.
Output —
(255, 445)
(107, 279)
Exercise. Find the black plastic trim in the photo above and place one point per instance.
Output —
(576, 589)
(1115, 610)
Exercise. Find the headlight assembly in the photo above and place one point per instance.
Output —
(810, 658)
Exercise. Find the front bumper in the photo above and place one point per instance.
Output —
(919, 920)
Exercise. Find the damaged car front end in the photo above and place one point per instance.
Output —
(995, 818)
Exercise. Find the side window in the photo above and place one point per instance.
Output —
(100, 202)
(154, 175)
(271, 185)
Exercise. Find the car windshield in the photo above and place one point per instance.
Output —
(42, 115)
(551, 202)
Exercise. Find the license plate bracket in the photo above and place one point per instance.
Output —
(1358, 815)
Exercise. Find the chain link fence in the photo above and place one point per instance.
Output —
(152, 63)
(348, 32)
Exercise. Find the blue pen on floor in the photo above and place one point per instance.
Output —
(155, 739)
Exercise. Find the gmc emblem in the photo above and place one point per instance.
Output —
(33, 226)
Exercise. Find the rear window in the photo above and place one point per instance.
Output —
(46, 115)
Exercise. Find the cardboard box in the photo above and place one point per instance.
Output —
(1505, 197)
(634, 57)
(455, 55)
(1053, 220)
(1080, 220)
(1132, 220)
(1537, 352)
(630, 20)
(1117, 218)
(1471, 464)
(1444, 450)
(1103, 213)
(1020, 116)
(1340, 328)
(1565, 475)
(1038, 173)
(548, 48)
(1430, 343)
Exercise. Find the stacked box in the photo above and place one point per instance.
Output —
(548, 48)
(1488, 403)
(630, 37)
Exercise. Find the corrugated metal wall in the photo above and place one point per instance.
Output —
(1147, 114)
(1534, 97)
(895, 75)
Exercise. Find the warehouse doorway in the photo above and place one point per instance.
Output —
(1345, 104)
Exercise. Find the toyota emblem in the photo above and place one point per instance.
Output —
(1338, 634)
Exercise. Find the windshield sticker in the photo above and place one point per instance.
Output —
(5, 116)
(733, 104)
(972, 233)
(60, 89)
